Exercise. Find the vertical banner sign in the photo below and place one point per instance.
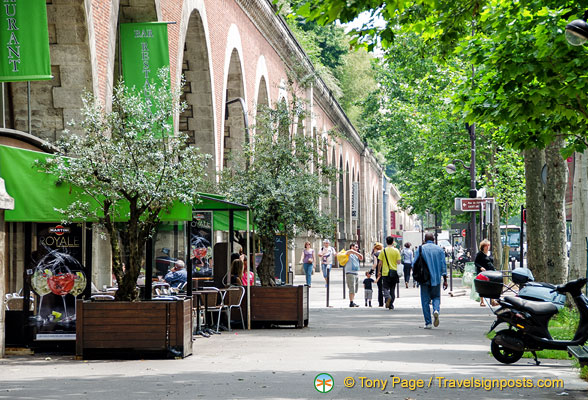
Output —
(201, 243)
(24, 47)
(392, 220)
(354, 199)
(144, 50)
(58, 278)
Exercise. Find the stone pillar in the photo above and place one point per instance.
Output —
(6, 203)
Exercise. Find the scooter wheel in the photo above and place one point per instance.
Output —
(504, 354)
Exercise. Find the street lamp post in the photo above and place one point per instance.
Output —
(450, 168)
(577, 31)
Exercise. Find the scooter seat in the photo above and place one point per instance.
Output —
(534, 307)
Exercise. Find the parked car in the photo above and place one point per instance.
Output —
(446, 245)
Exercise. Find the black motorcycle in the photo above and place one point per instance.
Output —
(528, 321)
(461, 260)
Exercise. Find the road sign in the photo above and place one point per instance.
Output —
(467, 204)
(463, 232)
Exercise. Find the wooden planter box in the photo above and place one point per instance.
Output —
(144, 329)
(280, 305)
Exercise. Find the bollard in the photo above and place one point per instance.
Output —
(328, 284)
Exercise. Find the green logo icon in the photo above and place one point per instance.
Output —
(324, 383)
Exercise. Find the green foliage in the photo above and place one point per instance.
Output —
(348, 74)
(529, 82)
(131, 169)
(562, 327)
(285, 176)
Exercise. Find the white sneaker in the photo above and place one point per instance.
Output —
(428, 326)
(436, 320)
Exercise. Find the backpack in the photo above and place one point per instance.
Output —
(405, 256)
(420, 270)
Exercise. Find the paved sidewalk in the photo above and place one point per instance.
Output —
(282, 363)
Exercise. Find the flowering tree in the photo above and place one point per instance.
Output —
(130, 169)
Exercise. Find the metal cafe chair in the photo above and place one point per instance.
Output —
(234, 298)
(215, 302)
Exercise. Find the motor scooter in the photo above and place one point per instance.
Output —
(528, 321)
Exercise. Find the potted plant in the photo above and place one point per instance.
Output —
(282, 175)
(129, 167)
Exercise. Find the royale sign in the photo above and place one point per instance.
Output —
(24, 49)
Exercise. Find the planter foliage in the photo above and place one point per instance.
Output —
(131, 168)
(281, 175)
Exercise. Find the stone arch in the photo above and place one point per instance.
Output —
(234, 87)
(198, 120)
(341, 195)
(134, 11)
(262, 96)
(57, 101)
(333, 188)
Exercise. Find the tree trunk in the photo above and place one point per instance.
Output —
(534, 161)
(555, 213)
(266, 271)
(577, 266)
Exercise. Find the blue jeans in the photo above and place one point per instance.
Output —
(308, 272)
(325, 268)
(429, 293)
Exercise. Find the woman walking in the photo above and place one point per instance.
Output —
(307, 260)
(484, 262)
(407, 259)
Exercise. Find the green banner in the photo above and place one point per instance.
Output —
(144, 50)
(24, 51)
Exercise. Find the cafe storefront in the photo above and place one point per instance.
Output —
(49, 264)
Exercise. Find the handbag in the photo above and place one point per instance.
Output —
(420, 270)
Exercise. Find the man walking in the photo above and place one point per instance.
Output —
(431, 291)
(352, 271)
(388, 262)
(326, 254)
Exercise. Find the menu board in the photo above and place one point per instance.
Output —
(58, 278)
(280, 260)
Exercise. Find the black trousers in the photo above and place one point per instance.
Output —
(389, 287)
(380, 292)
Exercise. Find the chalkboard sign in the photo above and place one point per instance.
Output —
(280, 259)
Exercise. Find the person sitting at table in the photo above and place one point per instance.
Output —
(237, 272)
(177, 275)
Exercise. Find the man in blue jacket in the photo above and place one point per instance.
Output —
(431, 292)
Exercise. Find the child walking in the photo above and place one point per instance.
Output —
(367, 288)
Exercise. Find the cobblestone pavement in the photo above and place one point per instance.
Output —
(379, 350)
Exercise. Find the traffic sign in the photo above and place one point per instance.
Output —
(467, 204)
(463, 232)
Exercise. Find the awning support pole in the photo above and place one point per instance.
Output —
(248, 283)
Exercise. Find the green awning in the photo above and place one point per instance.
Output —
(221, 221)
(37, 195)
